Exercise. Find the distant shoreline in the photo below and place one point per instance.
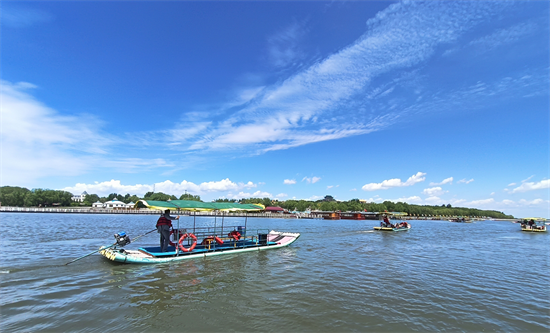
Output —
(142, 211)
(146, 211)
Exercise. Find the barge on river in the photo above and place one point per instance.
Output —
(200, 242)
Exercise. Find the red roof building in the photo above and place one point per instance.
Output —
(278, 210)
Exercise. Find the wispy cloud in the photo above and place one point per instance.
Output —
(16, 16)
(41, 142)
(445, 181)
(504, 36)
(284, 46)
(311, 180)
(465, 181)
(296, 111)
(314, 104)
(289, 181)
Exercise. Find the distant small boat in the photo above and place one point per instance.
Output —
(461, 220)
(403, 226)
(533, 225)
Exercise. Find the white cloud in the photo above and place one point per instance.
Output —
(387, 184)
(411, 200)
(465, 181)
(311, 180)
(42, 143)
(445, 181)
(535, 202)
(314, 198)
(512, 184)
(531, 186)
(433, 200)
(330, 186)
(168, 187)
(482, 202)
(257, 194)
(281, 195)
(289, 181)
(434, 191)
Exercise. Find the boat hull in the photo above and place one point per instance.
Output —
(533, 230)
(141, 256)
(391, 229)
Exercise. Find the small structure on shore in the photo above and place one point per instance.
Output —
(274, 210)
(79, 198)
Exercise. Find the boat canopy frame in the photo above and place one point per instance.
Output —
(199, 206)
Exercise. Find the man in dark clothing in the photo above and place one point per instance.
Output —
(164, 224)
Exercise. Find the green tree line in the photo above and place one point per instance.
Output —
(22, 197)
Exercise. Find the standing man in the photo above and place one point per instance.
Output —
(164, 224)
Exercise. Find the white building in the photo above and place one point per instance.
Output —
(114, 204)
(80, 198)
(97, 204)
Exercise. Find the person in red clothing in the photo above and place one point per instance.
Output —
(387, 221)
(164, 224)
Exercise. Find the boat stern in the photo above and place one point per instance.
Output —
(282, 238)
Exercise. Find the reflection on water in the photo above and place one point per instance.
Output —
(339, 276)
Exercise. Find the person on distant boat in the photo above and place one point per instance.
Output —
(387, 221)
(164, 223)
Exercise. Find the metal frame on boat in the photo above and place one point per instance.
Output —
(203, 241)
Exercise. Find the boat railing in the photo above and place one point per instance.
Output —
(223, 233)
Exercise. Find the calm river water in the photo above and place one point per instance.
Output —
(340, 276)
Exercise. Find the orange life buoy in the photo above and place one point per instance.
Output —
(192, 245)
(218, 240)
(235, 234)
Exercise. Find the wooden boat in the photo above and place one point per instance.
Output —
(199, 242)
(533, 225)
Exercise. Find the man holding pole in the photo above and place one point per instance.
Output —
(164, 224)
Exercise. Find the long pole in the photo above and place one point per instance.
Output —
(223, 216)
(89, 254)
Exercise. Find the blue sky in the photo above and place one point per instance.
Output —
(428, 103)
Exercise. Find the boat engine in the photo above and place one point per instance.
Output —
(122, 239)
